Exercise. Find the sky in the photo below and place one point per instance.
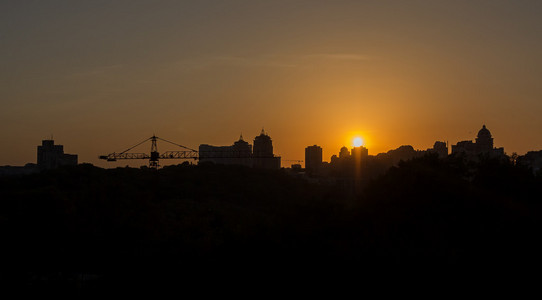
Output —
(100, 76)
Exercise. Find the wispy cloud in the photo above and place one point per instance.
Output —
(340, 56)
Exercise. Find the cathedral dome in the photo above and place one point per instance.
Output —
(484, 133)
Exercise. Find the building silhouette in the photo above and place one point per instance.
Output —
(263, 156)
(359, 153)
(482, 146)
(51, 156)
(240, 153)
(484, 141)
(440, 148)
(467, 148)
(344, 156)
(313, 158)
(354, 157)
(401, 153)
(532, 160)
(344, 152)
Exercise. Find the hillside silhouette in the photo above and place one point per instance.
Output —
(129, 223)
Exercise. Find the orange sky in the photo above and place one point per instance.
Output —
(103, 75)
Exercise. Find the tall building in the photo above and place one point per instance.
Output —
(313, 158)
(359, 153)
(242, 147)
(263, 146)
(51, 156)
(263, 156)
(349, 163)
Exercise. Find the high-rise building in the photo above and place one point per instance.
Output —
(263, 156)
(313, 158)
(51, 156)
(359, 152)
(263, 146)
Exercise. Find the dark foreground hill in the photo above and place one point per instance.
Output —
(85, 226)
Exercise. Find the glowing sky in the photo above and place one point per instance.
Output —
(102, 75)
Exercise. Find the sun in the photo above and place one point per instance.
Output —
(358, 141)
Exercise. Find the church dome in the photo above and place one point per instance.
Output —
(484, 133)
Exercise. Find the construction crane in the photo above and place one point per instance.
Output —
(154, 155)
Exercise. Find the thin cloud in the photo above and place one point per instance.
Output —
(340, 56)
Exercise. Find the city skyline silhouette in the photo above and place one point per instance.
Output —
(98, 75)
(356, 141)
(150, 146)
(190, 154)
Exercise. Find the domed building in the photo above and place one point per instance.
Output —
(484, 141)
(483, 145)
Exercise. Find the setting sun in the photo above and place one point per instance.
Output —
(358, 142)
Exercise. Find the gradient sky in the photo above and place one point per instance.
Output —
(103, 75)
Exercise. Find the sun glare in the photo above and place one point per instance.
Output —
(358, 142)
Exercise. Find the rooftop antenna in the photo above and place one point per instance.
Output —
(241, 137)
(263, 132)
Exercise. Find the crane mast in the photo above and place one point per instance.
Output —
(153, 161)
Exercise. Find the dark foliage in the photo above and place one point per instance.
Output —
(85, 222)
